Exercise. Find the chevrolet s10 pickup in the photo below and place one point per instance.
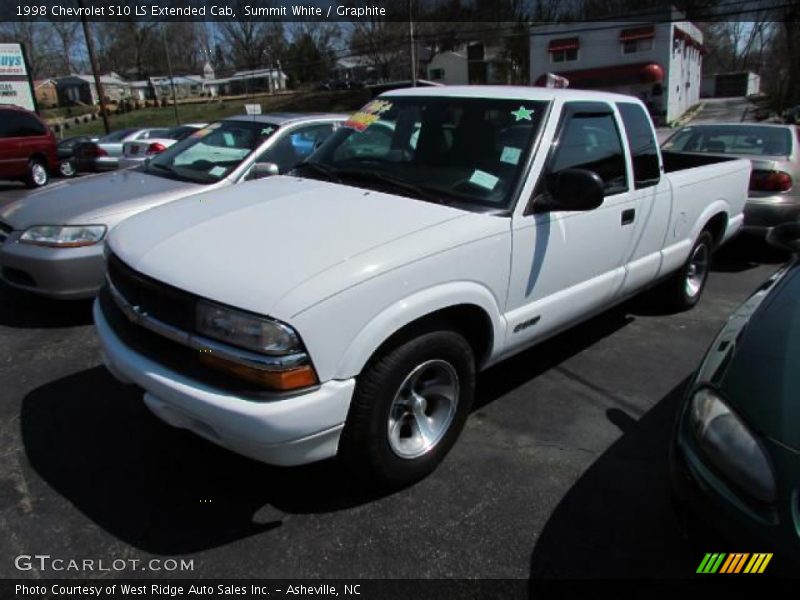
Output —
(346, 307)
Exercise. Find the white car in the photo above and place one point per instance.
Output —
(346, 307)
(135, 152)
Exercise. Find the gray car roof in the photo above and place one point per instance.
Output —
(282, 118)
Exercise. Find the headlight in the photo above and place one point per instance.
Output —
(730, 446)
(246, 331)
(64, 236)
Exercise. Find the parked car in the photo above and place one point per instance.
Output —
(345, 309)
(27, 147)
(104, 154)
(66, 154)
(774, 150)
(54, 239)
(735, 454)
(792, 115)
(136, 152)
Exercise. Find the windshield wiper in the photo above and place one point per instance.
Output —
(416, 190)
(328, 172)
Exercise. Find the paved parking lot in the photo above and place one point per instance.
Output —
(561, 469)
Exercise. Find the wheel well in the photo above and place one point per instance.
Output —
(716, 227)
(469, 320)
(42, 158)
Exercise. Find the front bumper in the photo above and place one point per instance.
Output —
(284, 431)
(762, 213)
(61, 273)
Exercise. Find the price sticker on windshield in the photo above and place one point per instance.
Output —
(483, 179)
(367, 115)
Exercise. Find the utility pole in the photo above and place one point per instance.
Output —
(98, 85)
(171, 76)
(413, 46)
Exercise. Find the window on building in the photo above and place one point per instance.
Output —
(633, 46)
(564, 55)
(563, 50)
(437, 74)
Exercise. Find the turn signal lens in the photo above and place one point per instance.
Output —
(290, 379)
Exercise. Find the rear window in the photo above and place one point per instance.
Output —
(745, 140)
(117, 136)
(178, 133)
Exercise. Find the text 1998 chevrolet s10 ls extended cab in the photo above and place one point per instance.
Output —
(345, 309)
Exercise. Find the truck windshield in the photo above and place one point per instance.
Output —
(469, 152)
(211, 153)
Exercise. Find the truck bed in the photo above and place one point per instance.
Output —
(679, 161)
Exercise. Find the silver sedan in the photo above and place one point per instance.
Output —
(51, 241)
(104, 153)
(773, 150)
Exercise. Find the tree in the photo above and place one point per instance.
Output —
(66, 36)
(311, 54)
(252, 44)
(34, 39)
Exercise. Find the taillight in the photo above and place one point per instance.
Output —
(155, 148)
(770, 181)
(94, 151)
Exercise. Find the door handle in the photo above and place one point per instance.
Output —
(628, 216)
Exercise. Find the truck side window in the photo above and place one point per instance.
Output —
(591, 141)
(642, 142)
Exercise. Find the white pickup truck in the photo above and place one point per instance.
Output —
(345, 309)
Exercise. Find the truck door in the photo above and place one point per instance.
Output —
(567, 264)
(652, 195)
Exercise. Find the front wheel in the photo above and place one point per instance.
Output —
(683, 290)
(408, 409)
(37, 175)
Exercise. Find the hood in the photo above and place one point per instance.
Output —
(87, 200)
(756, 359)
(249, 245)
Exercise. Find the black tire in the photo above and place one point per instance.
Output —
(678, 292)
(37, 175)
(66, 168)
(365, 445)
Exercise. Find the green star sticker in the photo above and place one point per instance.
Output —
(522, 114)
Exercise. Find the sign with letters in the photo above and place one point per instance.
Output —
(15, 86)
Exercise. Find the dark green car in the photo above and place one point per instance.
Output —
(735, 454)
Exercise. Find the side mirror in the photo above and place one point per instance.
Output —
(261, 170)
(574, 189)
(785, 236)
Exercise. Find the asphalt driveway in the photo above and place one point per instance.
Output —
(561, 470)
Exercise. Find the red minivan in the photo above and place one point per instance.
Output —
(27, 147)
